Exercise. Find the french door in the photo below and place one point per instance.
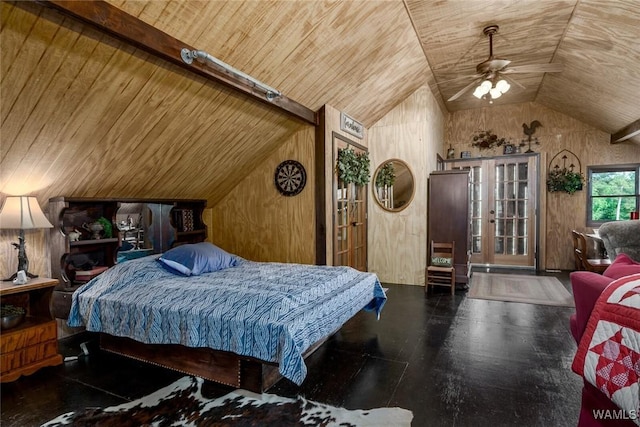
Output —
(504, 203)
(350, 215)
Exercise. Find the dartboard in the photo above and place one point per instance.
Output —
(290, 177)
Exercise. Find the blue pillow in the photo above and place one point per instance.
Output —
(197, 258)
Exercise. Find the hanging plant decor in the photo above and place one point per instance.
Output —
(564, 178)
(386, 175)
(352, 167)
(485, 140)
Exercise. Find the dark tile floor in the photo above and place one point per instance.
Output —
(453, 361)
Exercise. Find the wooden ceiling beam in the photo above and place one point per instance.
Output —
(138, 33)
(629, 131)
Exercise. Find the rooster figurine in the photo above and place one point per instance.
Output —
(529, 131)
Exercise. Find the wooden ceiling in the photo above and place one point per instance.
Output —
(598, 43)
(85, 114)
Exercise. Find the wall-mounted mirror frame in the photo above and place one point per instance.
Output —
(398, 196)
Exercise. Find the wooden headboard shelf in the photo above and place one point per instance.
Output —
(159, 225)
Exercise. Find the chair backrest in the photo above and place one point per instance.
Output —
(579, 250)
(443, 250)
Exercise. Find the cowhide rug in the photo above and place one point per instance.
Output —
(182, 404)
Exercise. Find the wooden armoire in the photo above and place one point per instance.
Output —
(449, 216)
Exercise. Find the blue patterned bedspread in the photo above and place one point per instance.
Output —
(270, 311)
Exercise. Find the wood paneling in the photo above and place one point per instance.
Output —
(563, 212)
(97, 118)
(83, 114)
(258, 223)
(315, 52)
(36, 246)
(398, 240)
(596, 41)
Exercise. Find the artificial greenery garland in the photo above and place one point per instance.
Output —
(352, 167)
(563, 179)
(386, 175)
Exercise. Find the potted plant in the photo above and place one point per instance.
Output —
(563, 179)
(353, 167)
(386, 175)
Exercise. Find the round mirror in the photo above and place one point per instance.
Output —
(393, 185)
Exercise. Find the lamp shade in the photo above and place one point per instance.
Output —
(23, 213)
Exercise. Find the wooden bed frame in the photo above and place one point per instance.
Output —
(215, 365)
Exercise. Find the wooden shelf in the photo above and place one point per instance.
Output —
(156, 223)
(94, 242)
(8, 288)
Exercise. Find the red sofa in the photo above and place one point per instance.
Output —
(587, 287)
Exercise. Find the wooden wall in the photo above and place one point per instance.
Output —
(561, 212)
(258, 223)
(413, 132)
(36, 246)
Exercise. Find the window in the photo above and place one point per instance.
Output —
(613, 192)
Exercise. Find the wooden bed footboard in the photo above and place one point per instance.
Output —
(215, 365)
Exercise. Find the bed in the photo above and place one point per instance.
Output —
(243, 325)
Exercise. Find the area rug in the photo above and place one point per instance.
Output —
(543, 290)
(182, 404)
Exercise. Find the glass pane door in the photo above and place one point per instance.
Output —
(342, 225)
(503, 206)
(511, 219)
(350, 218)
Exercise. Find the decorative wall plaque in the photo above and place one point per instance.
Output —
(351, 126)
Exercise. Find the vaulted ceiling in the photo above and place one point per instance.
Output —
(597, 42)
(364, 57)
(107, 118)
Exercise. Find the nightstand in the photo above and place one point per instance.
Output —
(33, 344)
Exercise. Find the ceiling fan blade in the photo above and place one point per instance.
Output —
(492, 65)
(535, 68)
(512, 80)
(463, 90)
(467, 77)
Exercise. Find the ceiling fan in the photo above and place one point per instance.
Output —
(492, 72)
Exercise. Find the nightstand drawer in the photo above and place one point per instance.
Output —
(25, 337)
(27, 356)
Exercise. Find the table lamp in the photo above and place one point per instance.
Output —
(22, 213)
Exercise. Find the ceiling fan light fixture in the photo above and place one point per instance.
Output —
(482, 89)
(495, 93)
(503, 86)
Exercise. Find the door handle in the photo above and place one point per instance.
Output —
(492, 212)
(492, 221)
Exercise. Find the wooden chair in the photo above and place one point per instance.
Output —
(441, 273)
(581, 259)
